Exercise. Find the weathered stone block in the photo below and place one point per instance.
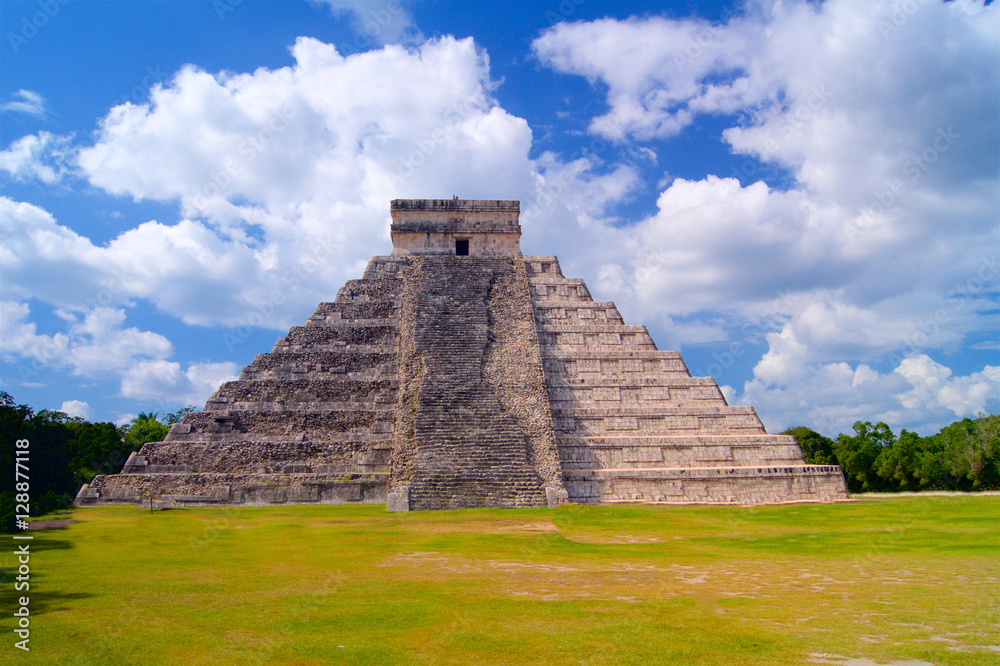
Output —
(399, 499)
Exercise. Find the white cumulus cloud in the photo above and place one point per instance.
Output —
(45, 157)
(285, 175)
(167, 381)
(77, 408)
(377, 23)
(919, 394)
(97, 345)
(94, 344)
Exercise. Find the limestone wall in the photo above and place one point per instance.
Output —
(732, 485)
(437, 242)
(431, 226)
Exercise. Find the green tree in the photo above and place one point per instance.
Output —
(142, 429)
(98, 448)
(970, 451)
(817, 449)
(898, 463)
(858, 454)
(48, 458)
(931, 465)
(985, 445)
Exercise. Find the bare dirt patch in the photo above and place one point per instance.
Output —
(51, 524)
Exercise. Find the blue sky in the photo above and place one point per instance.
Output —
(801, 197)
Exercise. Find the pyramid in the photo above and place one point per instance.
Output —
(460, 373)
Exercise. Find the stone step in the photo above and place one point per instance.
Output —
(550, 309)
(602, 328)
(335, 459)
(675, 452)
(567, 344)
(378, 404)
(635, 355)
(334, 320)
(538, 265)
(600, 347)
(550, 279)
(680, 423)
(325, 389)
(182, 433)
(283, 347)
(708, 439)
(609, 363)
(569, 398)
(320, 336)
(722, 484)
(286, 422)
(170, 490)
(655, 412)
(351, 360)
(568, 291)
(632, 380)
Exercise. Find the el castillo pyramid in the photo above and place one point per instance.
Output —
(459, 373)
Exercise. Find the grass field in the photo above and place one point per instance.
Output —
(885, 579)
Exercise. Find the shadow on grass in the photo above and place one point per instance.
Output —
(42, 600)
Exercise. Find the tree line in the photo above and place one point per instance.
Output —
(66, 452)
(962, 456)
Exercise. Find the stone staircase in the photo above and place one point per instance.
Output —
(632, 424)
(468, 450)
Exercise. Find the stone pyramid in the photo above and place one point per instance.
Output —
(459, 373)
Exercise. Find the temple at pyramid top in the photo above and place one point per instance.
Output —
(457, 372)
(473, 227)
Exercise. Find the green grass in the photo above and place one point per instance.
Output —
(885, 579)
